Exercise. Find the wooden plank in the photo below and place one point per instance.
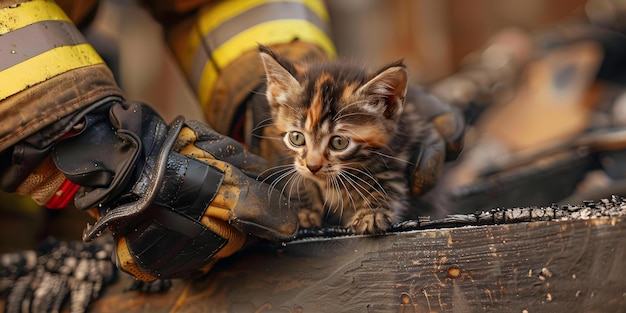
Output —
(571, 265)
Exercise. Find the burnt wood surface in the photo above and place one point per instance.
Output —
(557, 259)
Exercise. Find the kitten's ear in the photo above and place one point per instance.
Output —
(389, 87)
(280, 82)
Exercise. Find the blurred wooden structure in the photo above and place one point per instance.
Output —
(433, 37)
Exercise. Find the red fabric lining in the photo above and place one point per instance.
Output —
(63, 196)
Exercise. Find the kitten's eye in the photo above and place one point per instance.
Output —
(296, 138)
(338, 143)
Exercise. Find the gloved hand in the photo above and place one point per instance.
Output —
(443, 143)
(176, 198)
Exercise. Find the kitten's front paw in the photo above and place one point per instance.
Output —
(368, 221)
(309, 218)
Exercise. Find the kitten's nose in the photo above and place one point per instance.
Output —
(314, 167)
(314, 161)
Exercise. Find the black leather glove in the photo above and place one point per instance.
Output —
(176, 198)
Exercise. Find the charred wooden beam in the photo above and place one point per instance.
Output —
(556, 259)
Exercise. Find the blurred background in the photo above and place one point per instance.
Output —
(434, 37)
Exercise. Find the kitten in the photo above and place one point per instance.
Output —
(350, 134)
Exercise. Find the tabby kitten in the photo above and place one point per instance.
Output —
(350, 133)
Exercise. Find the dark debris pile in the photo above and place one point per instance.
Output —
(59, 272)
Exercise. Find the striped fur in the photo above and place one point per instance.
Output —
(349, 132)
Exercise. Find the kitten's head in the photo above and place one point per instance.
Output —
(332, 115)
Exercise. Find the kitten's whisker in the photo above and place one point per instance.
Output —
(275, 183)
(307, 196)
(382, 159)
(264, 123)
(326, 196)
(377, 186)
(274, 170)
(365, 172)
(293, 177)
(256, 92)
(348, 193)
(363, 196)
(285, 172)
(393, 158)
(356, 187)
(356, 135)
(341, 178)
(347, 106)
(336, 180)
(297, 183)
(355, 113)
(382, 194)
(339, 197)
(290, 107)
(268, 120)
(268, 137)
(329, 193)
(291, 183)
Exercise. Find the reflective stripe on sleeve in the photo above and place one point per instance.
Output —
(38, 42)
(30, 12)
(231, 28)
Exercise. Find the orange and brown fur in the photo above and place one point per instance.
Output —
(350, 134)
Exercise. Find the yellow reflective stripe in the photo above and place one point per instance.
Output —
(215, 16)
(273, 32)
(211, 18)
(225, 11)
(46, 65)
(26, 13)
(229, 9)
(193, 43)
(208, 80)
